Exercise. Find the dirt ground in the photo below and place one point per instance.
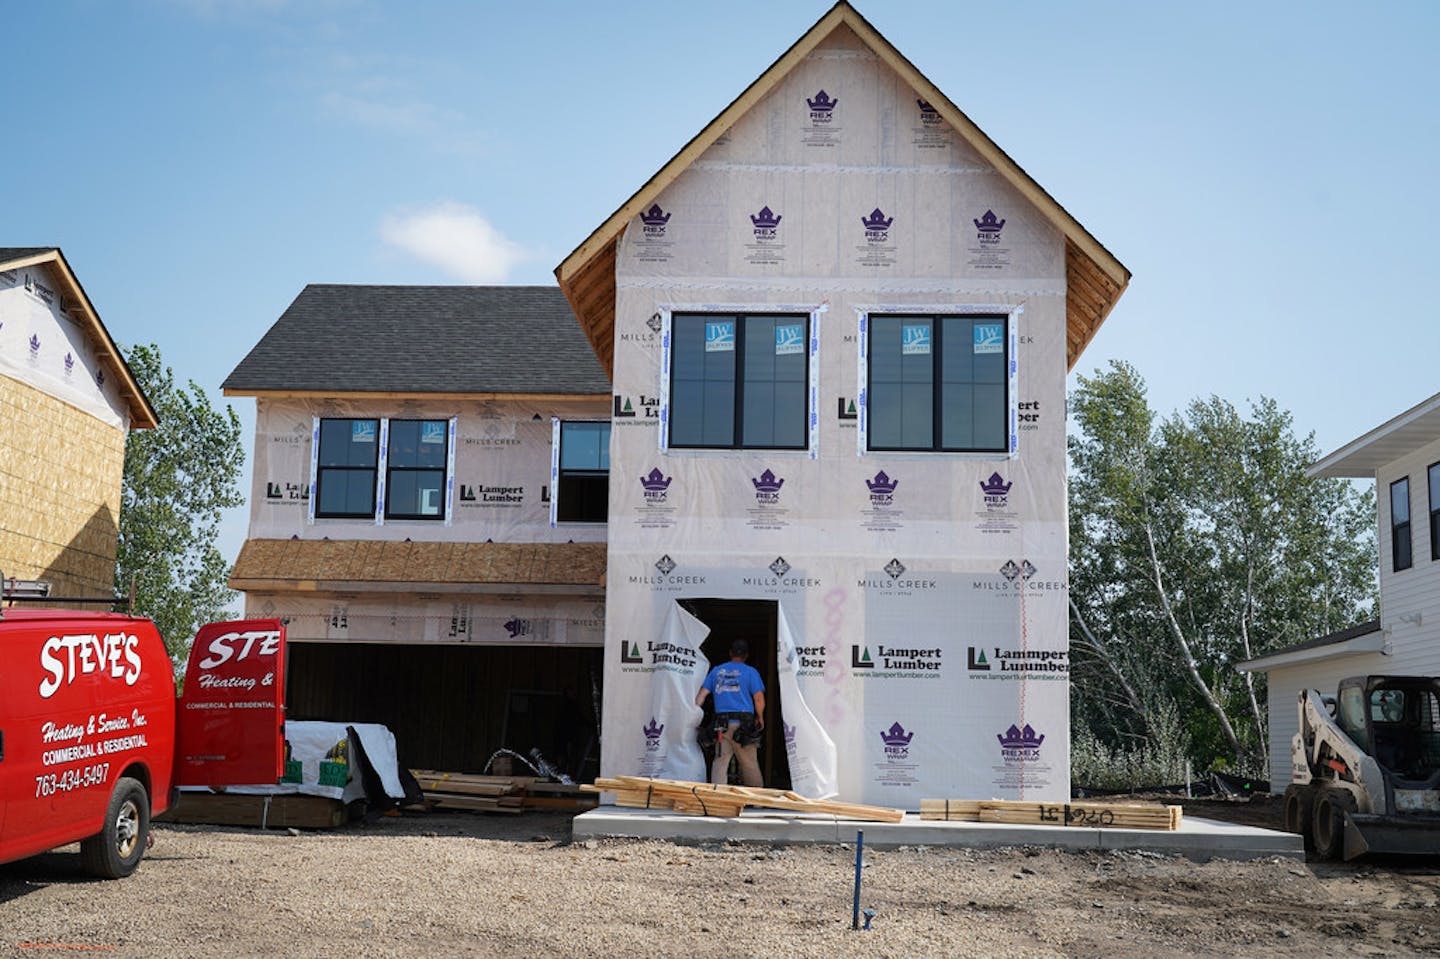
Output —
(477, 885)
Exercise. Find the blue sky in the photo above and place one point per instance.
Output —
(1267, 171)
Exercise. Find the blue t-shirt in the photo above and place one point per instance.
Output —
(734, 686)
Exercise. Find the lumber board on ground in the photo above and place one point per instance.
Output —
(286, 811)
(1100, 815)
(638, 791)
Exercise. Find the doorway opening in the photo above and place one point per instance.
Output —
(753, 620)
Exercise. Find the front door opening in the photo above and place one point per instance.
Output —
(753, 620)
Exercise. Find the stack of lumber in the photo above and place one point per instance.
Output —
(1075, 813)
(500, 794)
(282, 811)
(705, 799)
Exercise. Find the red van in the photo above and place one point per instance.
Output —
(93, 739)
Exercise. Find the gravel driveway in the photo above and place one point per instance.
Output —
(473, 885)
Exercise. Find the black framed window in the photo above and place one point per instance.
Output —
(582, 493)
(346, 467)
(938, 383)
(739, 381)
(1434, 477)
(1400, 524)
(415, 460)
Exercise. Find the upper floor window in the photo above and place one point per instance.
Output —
(739, 381)
(1400, 524)
(416, 457)
(582, 493)
(937, 383)
(347, 461)
(1434, 475)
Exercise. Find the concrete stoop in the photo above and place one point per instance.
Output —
(1198, 839)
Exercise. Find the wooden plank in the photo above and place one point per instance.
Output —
(654, 793)
(285, 812)
(1074, 813)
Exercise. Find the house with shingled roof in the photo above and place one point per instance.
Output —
(67, 401)
(427, 514)
(838, 324)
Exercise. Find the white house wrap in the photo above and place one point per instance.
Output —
(921, 595)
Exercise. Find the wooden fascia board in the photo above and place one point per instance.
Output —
(142, 414)
(701, 142)
(395, 395)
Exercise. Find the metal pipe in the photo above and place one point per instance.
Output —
(859, 851)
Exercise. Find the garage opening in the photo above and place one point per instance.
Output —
(755, 622)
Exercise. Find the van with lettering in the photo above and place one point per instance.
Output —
(94, 740)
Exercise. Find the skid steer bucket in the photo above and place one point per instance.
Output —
(1391, 835)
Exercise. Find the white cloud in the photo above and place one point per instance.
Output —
(457, 239)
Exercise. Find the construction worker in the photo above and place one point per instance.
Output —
(739, 715)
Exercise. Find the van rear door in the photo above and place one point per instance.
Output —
(231, 728)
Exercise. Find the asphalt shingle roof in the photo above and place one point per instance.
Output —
(424, 339)
(11, 253)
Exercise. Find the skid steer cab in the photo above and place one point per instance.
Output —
(93, 739)
(1366, 768)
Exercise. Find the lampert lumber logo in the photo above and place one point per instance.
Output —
(895, 662)
(655, 655)
(1009, 662)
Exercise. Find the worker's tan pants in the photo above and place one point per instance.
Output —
(745, 755)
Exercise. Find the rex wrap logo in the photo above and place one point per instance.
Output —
(822, 107)
(652, 735)
(1020, 745)
(656, 486)
(896, 742)
(516, 627)
(929, 116)
(766, 224)
(996, 492)
(767, 488)
(877, 226)
(653, 221)
(987, 229)
(882, 489)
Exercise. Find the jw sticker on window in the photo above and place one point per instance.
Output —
(915, 339)
(432, 431)
(362, 431)
(989, 338)
(720, 337)
(789, 339)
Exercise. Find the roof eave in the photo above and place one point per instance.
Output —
(142, 414)
(1372, 642)
(1351, 462)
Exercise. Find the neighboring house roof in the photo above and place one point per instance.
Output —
(1095, 279)
(1363, 457)
(78, 306)
(455, 340)
(295, 565)
(1363, 638)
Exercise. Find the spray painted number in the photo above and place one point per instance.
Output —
(1089, 817)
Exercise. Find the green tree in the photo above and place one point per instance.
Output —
(179, 477)
(1198, 542)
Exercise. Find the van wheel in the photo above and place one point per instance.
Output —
(115, 851)
(1328, 821)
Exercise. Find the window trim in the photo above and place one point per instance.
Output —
(1395, 527)
(319, 471)
(1432, 481)
(557, 430)
(379, 492)
(391, 469)
(1007, 316)
(808, 317)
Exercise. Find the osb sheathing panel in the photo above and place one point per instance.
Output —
(277, 562)
(60, 474)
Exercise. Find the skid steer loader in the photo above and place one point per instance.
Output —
(1366, 773)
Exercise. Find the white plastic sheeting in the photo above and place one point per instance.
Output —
(44, 347)
(924, 593)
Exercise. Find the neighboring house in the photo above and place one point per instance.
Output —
(838, 324)
(67, 403)
(1403, 458)
(405, 523)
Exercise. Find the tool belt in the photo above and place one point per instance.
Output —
(745, 734)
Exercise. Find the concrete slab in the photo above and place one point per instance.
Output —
(1198, 839)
